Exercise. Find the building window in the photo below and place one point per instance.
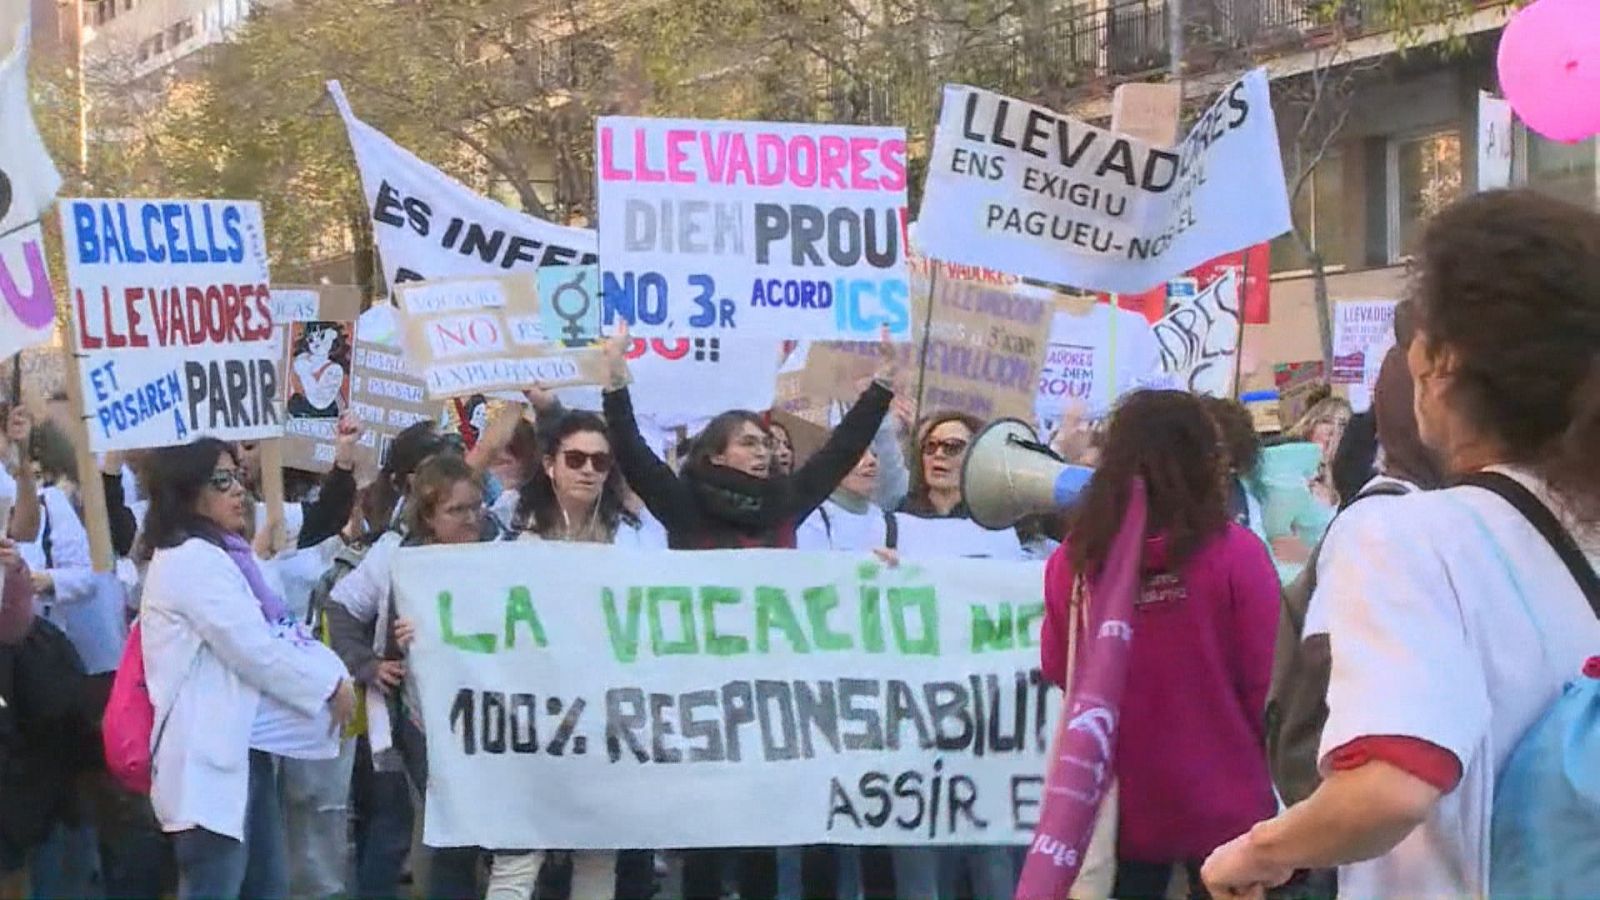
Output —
(1424, 178)
(1319, 207)
(1566, 171)
(127, 5)
(104, 11)
(180, 32)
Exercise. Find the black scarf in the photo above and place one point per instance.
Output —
(730, 496)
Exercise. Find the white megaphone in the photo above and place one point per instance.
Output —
(1009, 475)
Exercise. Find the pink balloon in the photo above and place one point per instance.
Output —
(1549, 64)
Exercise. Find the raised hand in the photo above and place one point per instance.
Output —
(346, 435)
(615, 351)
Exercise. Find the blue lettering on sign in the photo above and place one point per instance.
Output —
(135, 407)
(636, 299)
(886, 298)
(137, 232)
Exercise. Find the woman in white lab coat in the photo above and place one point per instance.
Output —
(214, 661)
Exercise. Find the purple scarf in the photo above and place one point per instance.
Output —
(273, 608)
(1082, 771)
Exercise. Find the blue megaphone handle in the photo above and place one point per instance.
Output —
(1070, 483)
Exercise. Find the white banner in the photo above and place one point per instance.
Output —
(1092, 360)
(1494, 142)
(1023, 189)
(724, 698)
(174, 314)
(441, 229)
(758, 229)
(1358, 325)
(28, 181)
(1199, 339)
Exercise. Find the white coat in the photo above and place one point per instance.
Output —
(209, 655)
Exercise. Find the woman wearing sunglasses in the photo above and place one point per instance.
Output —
(729, 493)
(574, 494)
(222, 658)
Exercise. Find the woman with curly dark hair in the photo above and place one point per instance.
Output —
(1457, 618)
(1203, 631)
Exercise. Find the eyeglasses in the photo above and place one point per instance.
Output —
(223, 480)
(575, 460)
(950, 447)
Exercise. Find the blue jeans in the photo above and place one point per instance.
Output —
(935, 873)
(212, 866)
(384, 817)
(67, 864)
(316, 801)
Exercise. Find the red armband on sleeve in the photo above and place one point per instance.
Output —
(1414, 756)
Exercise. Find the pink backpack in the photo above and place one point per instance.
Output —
(130, 720)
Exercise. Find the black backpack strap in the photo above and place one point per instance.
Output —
(891, 530)
(1545, 521)
(827, 523)
(44, 535)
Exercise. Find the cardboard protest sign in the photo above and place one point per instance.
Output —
(752, 228)
(468, 336)
(980, 353)
(385, 395)
(1199, 340)
(174, 321)
(28, 182)
(1357, 326)
(43, 372)
(1021, 188)
(671, 387)
(319, 332)
(613, 684)
(1298, 385)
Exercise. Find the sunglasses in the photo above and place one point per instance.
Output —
(575, 460)
(949, 447)
(223, 480)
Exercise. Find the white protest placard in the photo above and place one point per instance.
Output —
(428, 225)
(672, 385)
(1357, 326)
(1091, 361)
(1021, 188)
(174, 321)
(762, 229)
(1494, 142)
(783, 697)
(1199, 339)
(28, 181)
(466, 336)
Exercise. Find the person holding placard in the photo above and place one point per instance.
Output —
(728, 496)
(933, 521)
(220, 669)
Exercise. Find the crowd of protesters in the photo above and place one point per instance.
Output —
(1334, 650)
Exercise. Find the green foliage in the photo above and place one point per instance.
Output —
(502, 94)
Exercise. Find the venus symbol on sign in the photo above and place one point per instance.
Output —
(571, 302)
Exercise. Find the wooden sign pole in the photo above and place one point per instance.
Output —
(91, 490)
(272, 480)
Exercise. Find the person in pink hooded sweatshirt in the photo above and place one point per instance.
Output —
(1190, 753)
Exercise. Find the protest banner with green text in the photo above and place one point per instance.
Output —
(724, 698)
(760, 229)
(174, 322)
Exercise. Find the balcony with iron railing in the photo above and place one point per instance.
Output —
(1105, 43)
